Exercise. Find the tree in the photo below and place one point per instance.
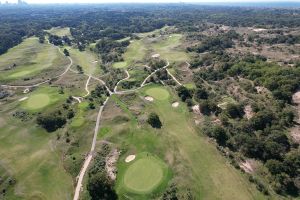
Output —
(79, 69)
(234, 111)
(66, 52)
(51, 122)
(183, 93)
(201, 93)
(100, 188)
(154, 121)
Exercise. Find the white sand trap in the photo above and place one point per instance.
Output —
(170, 36)
(26, 91)
(23, 99)
(148, 98)
(259, 29)
(95, 61)
(155, 56)
(175, 104)
(129, 158)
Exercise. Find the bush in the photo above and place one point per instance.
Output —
(154, 121)
(51, 122)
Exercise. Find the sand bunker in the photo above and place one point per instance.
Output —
(23, 99)
(129, 158)
(155, 56)
(175, 104)
(259, 29)
(26, 91)
(95, 61)
(148, 98)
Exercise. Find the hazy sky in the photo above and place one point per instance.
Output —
(135, 1)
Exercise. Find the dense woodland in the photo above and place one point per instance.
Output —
(263, 137)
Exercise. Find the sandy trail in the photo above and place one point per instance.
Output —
(174, 78)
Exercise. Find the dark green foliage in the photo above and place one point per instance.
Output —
(66, 52)
(154, 121)
(200, 93)
(208, 107)
(100, 188)
(235, 110)
(184, 93)
(52, 121)
(79, 69)
(216, 132)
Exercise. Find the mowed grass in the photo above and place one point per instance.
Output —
(135, 52)
(30, 58)
(209, 174)
(41, 98)
(79, 118)
(168, 46)
(158, 93)
(60, 31)
(145, 174)
(86, 59)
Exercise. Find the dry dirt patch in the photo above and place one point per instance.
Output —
(248, 112)
(248, 166)
(110, 165)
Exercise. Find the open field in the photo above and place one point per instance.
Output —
(29, 59)
(158, 93)
(59, 31)
(86, 59)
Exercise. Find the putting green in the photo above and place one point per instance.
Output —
(158, 93)
(144, 175)
(38, 101)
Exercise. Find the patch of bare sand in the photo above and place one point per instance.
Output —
(295, 133)
(261, 90)
(175, 104)
(248, 166)
(296, 98)
(23, 99)
(196, 109)
(155, 55)
(110, 164)
(148, 98)
(129, 158)
(248, 112)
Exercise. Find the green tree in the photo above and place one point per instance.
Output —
(154, 121)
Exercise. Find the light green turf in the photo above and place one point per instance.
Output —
(41, 98)
(38, 101)
(31, 58)
(79, 119)
(190, 85)
(135, 52)
(120, 65)
(86, 59)
(168, 48)
(59, 31)
(158, 93)
(144, 175)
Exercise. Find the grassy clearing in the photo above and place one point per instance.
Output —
(41, 98)
(30, 58)
(86, 59)
(168, 48)
(136, 51)
(79, 119)
(158, 93)
(60, 31)
(145, 174)
(225, 101)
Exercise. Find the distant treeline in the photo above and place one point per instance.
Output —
(93, 22)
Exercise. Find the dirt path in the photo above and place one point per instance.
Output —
(174, 78)
(90, 155)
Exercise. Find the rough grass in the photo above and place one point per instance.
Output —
(30, 58)
(86, 59)
(60, 31)
(144, 174)
(158, 93)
